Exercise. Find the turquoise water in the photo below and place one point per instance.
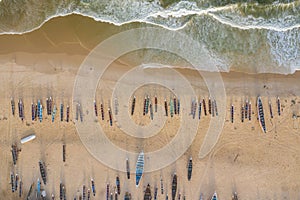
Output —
(249, 36)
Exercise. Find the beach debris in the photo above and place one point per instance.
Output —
(43, 172)
(53, 112)
(118, 185)
(139, 168)
(204, 106)
(133, 105)
(102, 111)
(21, 109)
(242, 113)
(127, 168)
(209, 105)
(166, 107)
(155, 103)
(190, 168)
(175, 105)
(171, 108)
(93, 187)
(107, 191)
(33, 115)
(250, 111)
(20, 188)
(110, 117)
(232, 113)
(167, 197)
(179, 196)
(62, 112)
(214, 197)
(147, 195)
(278, 106)
(216, 107)
(83, 192)
(64, 153)
(161, 185)
(270, 108)
(145, 104)
(116, 104)
(174, 186)
(127, 196)
(12, 181)
(151, 111)
(13, 107)
(27, 138)
(68, 113)
(155, 193)
(260, 112)
(52, 197)
(95, 108)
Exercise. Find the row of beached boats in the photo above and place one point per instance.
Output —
(246, 112)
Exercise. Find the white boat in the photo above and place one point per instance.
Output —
(139, 168)
(27, 138)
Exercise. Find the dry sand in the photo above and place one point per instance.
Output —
(45, 62)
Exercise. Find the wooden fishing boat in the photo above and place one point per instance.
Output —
(43, 172)
(93, 187)
(155, 102)
(174, 186)
(127, 168)
(190, 169)
(139, 168)
(260, 112)
(278, 106)
(118, 185)
(127, 196)
(133, 105)
(147, 195)
(166, 107)
(204, 106)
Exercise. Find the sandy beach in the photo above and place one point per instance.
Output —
(245, 160)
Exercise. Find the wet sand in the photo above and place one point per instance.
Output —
(45, 62)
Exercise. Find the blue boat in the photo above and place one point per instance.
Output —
(38, 187)
(40, 110)
(53, 113)
(139, 168)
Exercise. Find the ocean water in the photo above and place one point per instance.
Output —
(260, 36)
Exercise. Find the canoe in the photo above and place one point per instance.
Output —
(139, 168)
